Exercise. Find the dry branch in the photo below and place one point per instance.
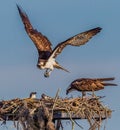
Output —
(40, 114)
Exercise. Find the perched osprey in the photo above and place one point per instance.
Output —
(33, 95)
(47, 56)
(88, 84)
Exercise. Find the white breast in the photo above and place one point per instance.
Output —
(33, 96)
(50, 63)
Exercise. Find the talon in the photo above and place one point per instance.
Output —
(46, 74)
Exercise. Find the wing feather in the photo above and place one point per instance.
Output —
(105, 79)
(88, 84)
(77, 40)
(41, 42)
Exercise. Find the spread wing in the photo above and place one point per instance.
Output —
(41, 42)
(77, 40)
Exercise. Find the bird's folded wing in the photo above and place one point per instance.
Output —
(105, 79)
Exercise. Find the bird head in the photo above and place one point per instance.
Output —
(69, 89)
(33, 94)
(41, 64)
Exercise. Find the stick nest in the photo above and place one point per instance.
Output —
(29, 113)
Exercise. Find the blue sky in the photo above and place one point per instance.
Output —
(59, 20)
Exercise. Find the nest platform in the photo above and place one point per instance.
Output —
(30, 112)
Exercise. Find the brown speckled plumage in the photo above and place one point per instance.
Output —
(43, 44)
(89, 84)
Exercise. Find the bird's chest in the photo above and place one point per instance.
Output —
(50, 63)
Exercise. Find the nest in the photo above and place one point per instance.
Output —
(40, 114)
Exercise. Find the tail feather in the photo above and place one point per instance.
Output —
(106, 79)
(58, 66)
(109, 84)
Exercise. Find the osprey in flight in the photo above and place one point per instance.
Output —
(47, 55)
(88, 84)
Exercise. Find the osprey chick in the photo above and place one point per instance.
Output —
(33, 95)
